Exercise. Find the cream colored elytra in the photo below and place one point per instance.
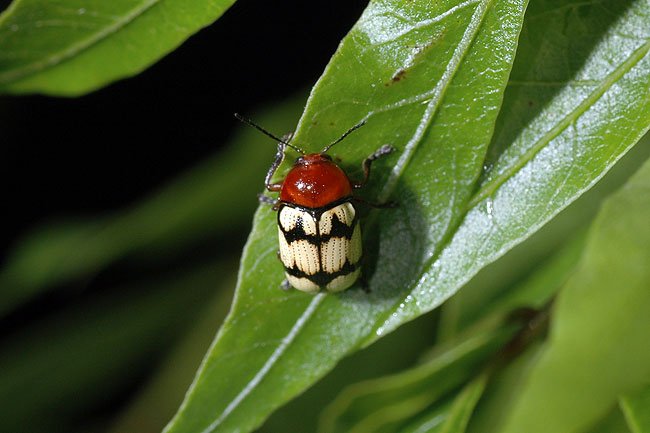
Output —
(320, 254)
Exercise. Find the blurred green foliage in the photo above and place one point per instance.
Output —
(635, 406)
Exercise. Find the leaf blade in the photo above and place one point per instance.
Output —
(314, 338)
(509, 208)
(427, 247)
(71, 47)
(384, 403)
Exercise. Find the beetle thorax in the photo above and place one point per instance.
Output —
(315, 181)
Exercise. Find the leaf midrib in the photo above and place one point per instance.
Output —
(436, 99)
(632, 60)
(490, 188)
(20, 73)
(432, 107)
(477, 19)
(270, 362)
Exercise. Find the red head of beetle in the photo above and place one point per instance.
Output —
(315, 181)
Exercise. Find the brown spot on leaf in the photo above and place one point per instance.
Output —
(397, 76)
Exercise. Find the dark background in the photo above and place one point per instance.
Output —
(85, 156)
(90, 156)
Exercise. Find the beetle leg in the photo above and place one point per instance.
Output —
(267, 200)
(285, 285)
(383, 150)
(279, 157)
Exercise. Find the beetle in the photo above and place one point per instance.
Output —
(318, 225)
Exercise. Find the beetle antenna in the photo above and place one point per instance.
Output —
(348, 132)
(265, 132)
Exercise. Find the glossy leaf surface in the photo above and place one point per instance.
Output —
(429, 80)
(502, 279)
(70, 47)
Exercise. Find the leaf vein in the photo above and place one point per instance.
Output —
(470, 32)
(436, 99)
(59, 57)
(277, 353)
(425, 23)
(489, 188)
(636, 56)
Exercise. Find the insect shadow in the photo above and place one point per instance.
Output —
(394, 241)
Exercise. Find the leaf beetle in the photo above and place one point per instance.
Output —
(318, 225)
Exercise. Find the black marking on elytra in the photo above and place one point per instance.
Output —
(297, 233)
(321, 278)
(316, 212)
(339, 229)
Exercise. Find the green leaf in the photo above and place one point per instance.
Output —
(71, 47)
(636, 408)
(413, 74)
(614, 422)
(499, 283)
(381, 405)
(490, 417)
(188, 210)
(429, 79)
(502, 391)
(598, 344)
(452, 417)
(431, 422)
(463, 406)
(398, 351)
(540, 285)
